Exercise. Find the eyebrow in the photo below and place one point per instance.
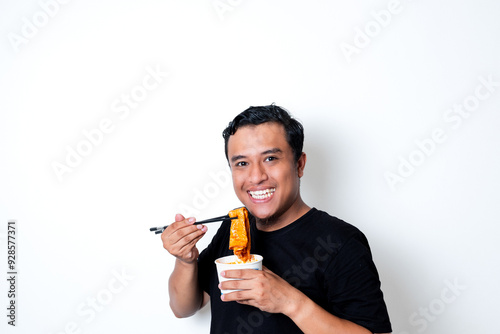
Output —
(270, 151)
(237, 157)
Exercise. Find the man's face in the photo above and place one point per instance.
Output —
(266, 178)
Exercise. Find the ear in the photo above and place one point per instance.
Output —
(301, 164)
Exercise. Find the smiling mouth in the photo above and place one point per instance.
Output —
(262, 194)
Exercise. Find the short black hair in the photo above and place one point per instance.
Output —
(271, 113)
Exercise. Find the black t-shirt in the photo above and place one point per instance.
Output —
(326, 258)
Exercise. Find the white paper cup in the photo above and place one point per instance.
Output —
(227, 263)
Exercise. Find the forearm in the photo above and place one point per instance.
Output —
(311, 318)
(186, 297)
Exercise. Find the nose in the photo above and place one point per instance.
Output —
(258, 174)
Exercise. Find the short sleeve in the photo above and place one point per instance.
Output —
(353, 287)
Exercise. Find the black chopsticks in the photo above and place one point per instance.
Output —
(160, 229)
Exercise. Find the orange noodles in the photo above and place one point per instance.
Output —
(239, 239)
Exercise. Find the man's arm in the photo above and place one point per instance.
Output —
(312, 318)
(270, 293)
(186, 297)
(180, 239)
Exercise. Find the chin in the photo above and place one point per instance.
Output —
(260, 212)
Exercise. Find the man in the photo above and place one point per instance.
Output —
(318, 274)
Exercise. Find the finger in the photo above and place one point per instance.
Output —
(178, 230)
(247, 302)
(187, 247)
(178, 224)
(237, 296)
(241, 273)
(185, 236)
(182, 243)
(236, 285)
(184, 252)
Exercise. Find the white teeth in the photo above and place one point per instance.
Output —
(262, 194)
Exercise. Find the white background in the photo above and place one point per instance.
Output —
(364, 112)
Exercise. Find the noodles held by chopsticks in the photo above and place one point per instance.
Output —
(239, 240)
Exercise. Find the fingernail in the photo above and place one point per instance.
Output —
(191, 220)
(223, 273)
(199, 227)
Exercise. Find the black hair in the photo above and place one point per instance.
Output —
(271, 113)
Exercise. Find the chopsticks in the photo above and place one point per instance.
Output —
(160, 229)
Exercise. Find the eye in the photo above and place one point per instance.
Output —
(271, 158)
(241, 164)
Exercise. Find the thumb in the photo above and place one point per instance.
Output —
(179, 217)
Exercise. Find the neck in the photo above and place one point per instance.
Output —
(280, 220)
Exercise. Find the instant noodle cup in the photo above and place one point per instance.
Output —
(232, 262)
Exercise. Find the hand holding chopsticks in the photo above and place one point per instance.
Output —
(160, 229)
